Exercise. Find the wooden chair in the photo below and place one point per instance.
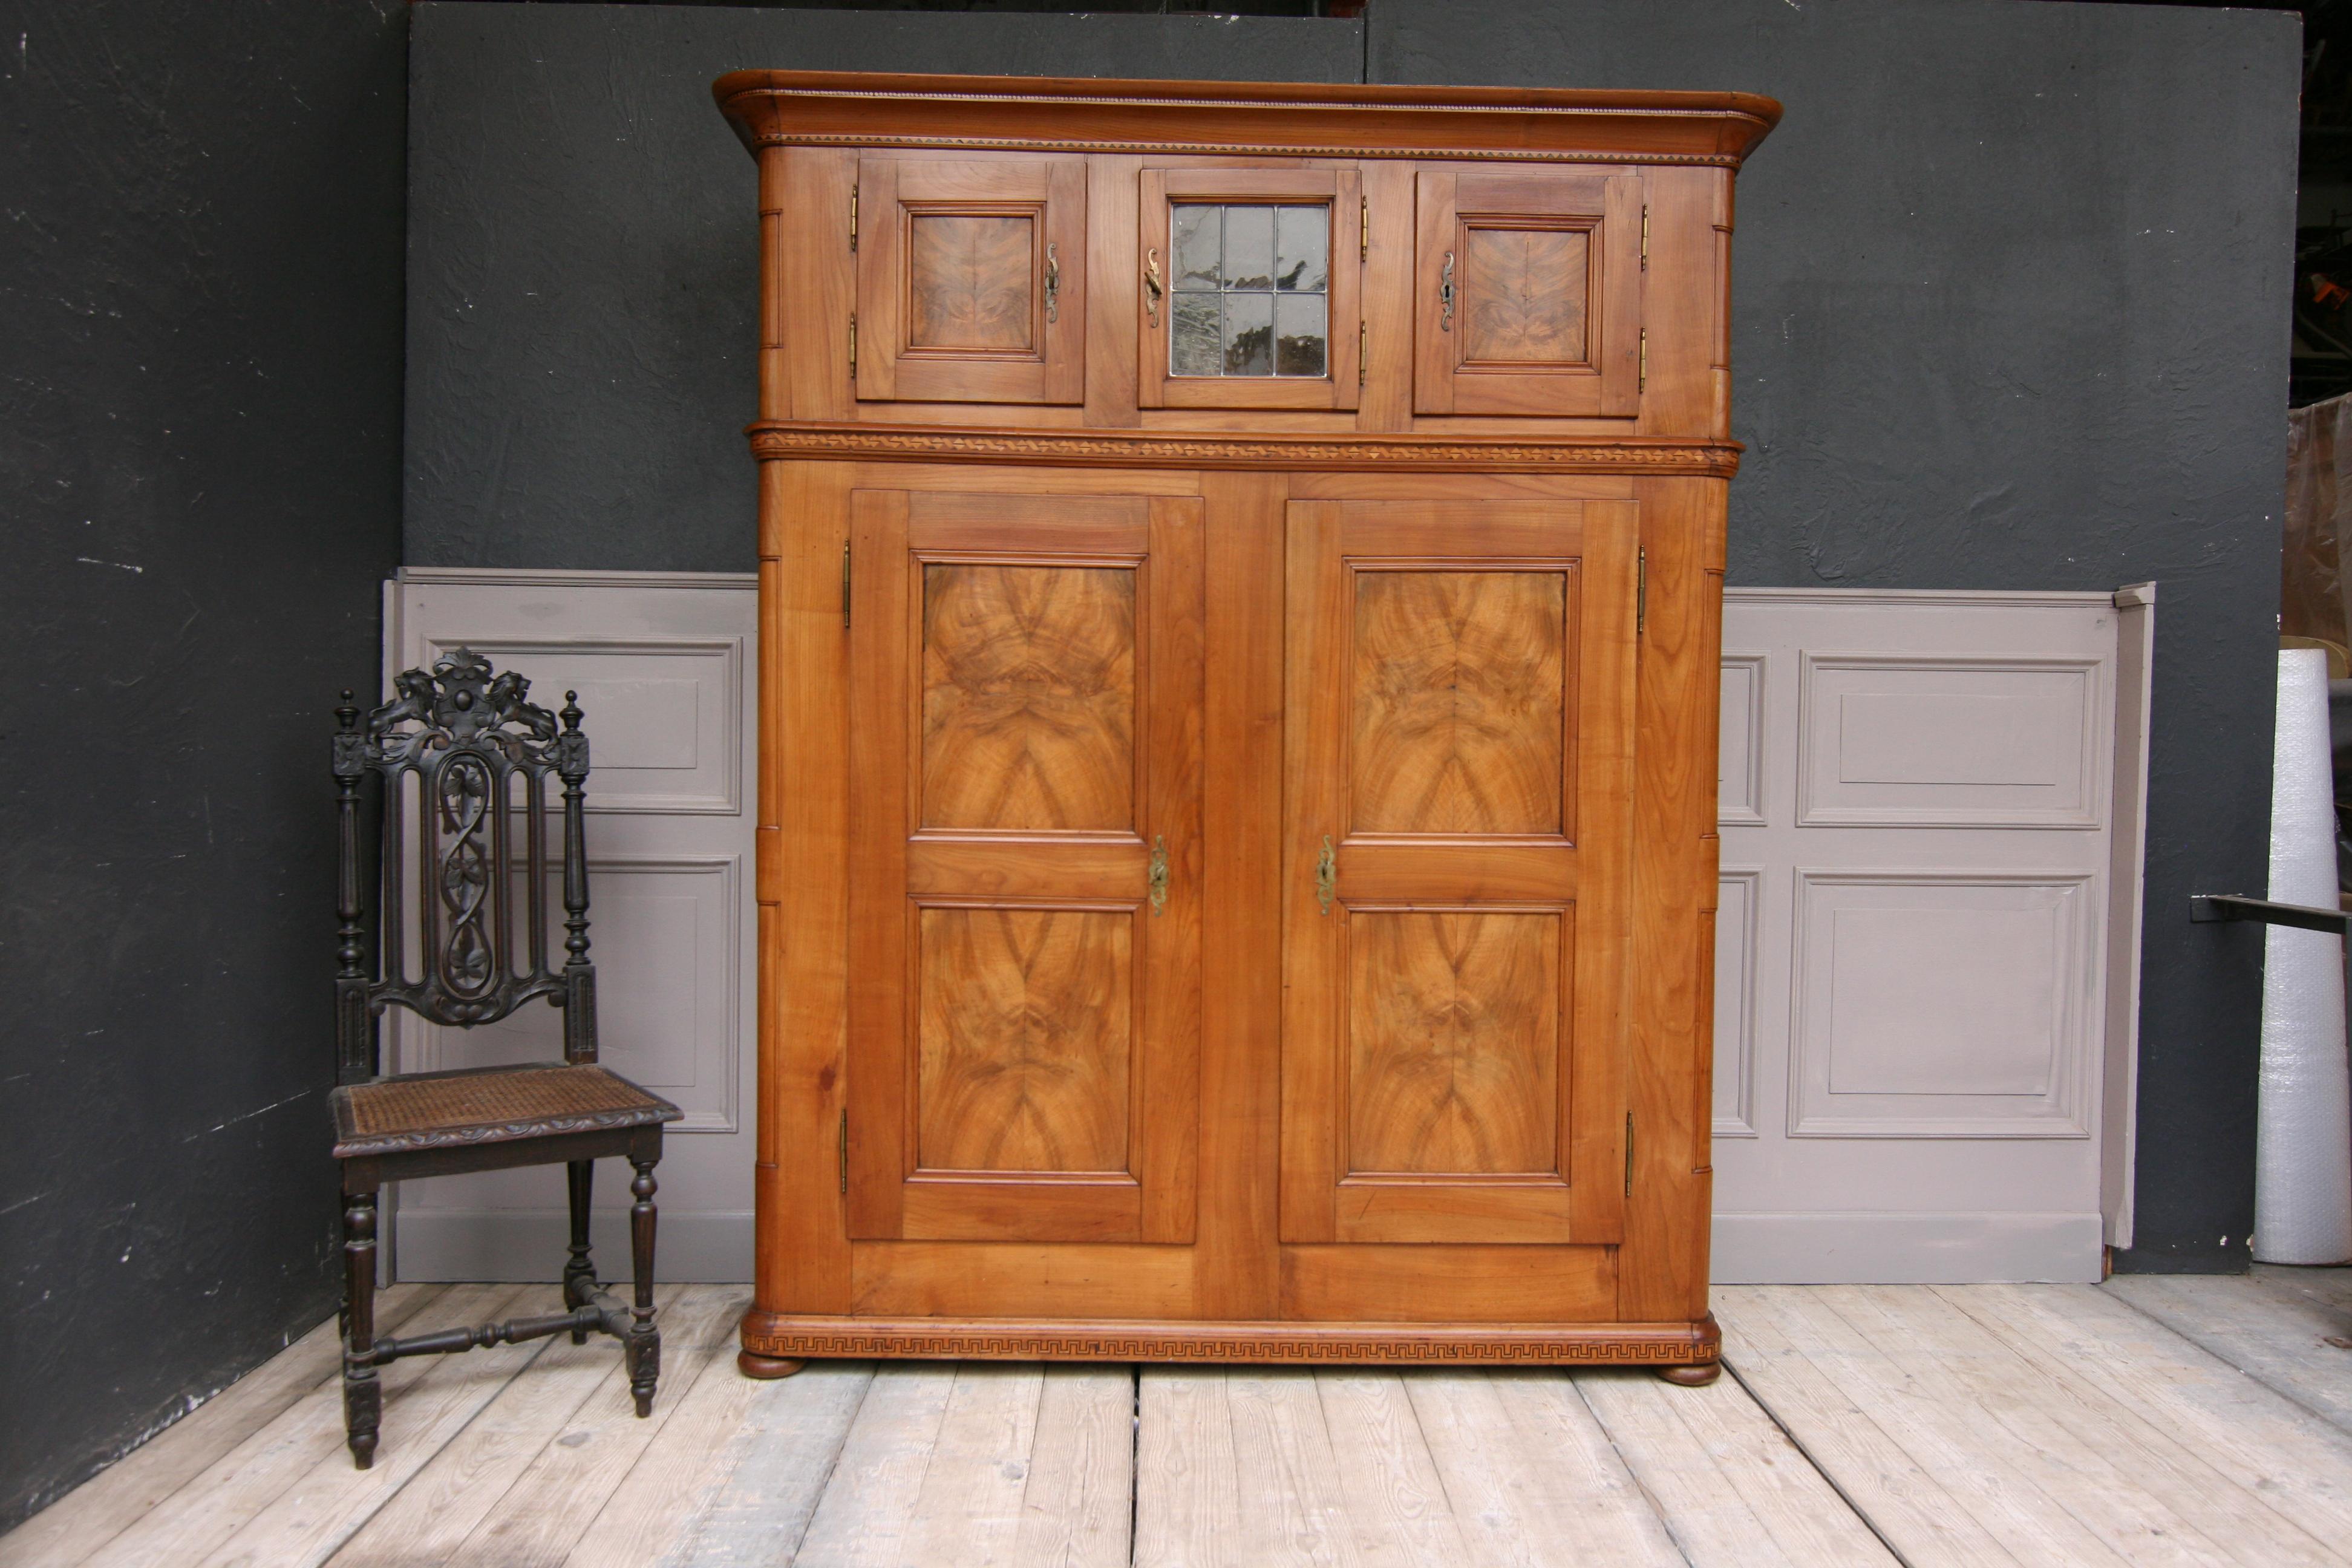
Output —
(480, 757)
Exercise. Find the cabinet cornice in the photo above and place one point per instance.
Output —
(1246, 119)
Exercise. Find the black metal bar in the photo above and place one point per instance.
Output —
(2207, 908)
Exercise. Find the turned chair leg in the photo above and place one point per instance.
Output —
(362, 1395)
(642, 1348)
(580, 1274)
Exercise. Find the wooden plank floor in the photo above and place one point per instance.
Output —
(2146, 1421)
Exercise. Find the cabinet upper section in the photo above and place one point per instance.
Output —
(1216, 257)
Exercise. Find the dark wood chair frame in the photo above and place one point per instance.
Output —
(474, 737)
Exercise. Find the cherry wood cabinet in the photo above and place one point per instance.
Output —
(1241, 576)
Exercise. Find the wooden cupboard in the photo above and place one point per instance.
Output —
(1241, 576)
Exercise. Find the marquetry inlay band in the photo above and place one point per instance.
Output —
(1604, 1344)
(1192, 449)
(1246, 149)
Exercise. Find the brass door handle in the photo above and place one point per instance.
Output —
(1151, 289)
(1053, 283)
(1445, 296)
(1326, 876)
(1155, 880)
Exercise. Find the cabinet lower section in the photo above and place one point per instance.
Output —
(787, 1335)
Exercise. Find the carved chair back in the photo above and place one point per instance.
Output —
(481, 757)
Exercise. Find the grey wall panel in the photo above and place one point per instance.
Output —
(200, 307)
(2009, 305)
(583, 250)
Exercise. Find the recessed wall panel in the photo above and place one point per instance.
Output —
(1961, 742)
(1942, 1005)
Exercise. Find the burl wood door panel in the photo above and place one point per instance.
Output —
(1527, 294)
(971, 281)
(1458, 832)
(1026, 677)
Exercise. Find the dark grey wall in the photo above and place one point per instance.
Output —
(2009, 296)
(200, 307)
(583, 266)
(2010, 299)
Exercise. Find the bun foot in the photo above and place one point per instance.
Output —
(752, 1364)
(1692, 1374)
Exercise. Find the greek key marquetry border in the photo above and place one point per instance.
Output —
(1285, 1343)
(1190, 449)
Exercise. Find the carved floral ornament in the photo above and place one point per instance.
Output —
(467, 732)
(460, 703)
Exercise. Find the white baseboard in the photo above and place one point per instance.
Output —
(520, 1246)
(1905, 1248)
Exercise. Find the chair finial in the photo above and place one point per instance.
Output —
(571, 713)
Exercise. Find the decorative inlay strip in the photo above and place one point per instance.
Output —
(1196, 449)
(1244, 149)
(1623, 1344)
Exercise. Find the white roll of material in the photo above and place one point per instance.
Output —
(2302, 1180)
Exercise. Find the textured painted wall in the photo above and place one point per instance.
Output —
(583, 266)
(2009, 305)
(200, 307)
(2010, 299)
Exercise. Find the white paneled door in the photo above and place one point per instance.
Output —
(1926, 950)
(1921, 898)
(663, 666)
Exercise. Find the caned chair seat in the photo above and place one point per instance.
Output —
(488, 1105)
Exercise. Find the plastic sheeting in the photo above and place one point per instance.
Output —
(2316, 568)
(2303, 1181)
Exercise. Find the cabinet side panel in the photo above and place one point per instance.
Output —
(802, 1251)
(1662, 1273)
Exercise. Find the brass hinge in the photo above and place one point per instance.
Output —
(844, 1153)
(1645, 233)
(1641, 378)
(845, 584)
(853, 220)
(852, 346)
(1628, 1154)
(1363, 350)
(1364, 228)
(1641, 591)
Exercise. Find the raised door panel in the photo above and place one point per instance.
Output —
(1251, 288)
(970, 280)
(1457, 772)
(1527, 294)
(1025, 914)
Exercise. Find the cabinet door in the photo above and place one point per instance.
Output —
(1527, 294)
(1025, 690)
(1252, 279)
(1458, 786)
(971, 281)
